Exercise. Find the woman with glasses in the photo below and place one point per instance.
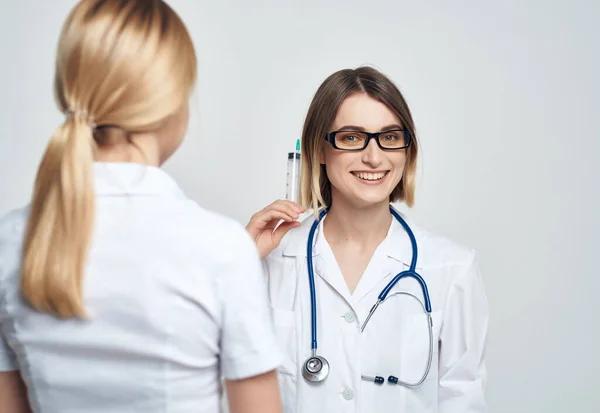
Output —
(421, 348)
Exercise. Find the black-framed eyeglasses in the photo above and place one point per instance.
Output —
(353, 140)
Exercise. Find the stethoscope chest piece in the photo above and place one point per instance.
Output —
(315, 369)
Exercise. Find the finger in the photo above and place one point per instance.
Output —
(285, 206)
(288, 207)
(273, 224)
(275, 206)
(289, 204)
(262, 220)
(282, 230)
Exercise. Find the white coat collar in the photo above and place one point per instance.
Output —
(125, 178)
(397, 244)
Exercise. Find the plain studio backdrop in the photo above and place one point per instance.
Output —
(503, 95)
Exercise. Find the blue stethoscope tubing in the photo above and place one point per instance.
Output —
(316, 368)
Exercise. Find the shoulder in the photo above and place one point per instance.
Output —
(440, 256)
(437, 250)
(224, 237)
(12, 232)
(12, 227)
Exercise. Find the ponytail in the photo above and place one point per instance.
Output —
(61, 221)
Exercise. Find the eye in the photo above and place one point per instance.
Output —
(349, 139)
(390, 137)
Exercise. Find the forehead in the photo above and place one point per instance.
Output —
(362, 110)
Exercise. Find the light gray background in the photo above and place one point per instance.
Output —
(503, 94)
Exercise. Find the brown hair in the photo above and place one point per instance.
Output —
(315, 187)
(125, 63)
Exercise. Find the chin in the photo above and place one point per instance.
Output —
(362, 196)
(370, 201)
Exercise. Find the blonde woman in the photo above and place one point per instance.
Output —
(118, 293)
(393, 318)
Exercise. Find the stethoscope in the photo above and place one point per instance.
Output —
(316, 368)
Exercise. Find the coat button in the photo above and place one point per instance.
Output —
(349, 317)
(348, 394)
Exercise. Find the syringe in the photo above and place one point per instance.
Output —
(292, 190)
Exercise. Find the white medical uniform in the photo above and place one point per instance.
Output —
(395, 341)
(176, 298)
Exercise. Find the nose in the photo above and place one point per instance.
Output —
(372, 155)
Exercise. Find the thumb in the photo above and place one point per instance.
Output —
(282, 230)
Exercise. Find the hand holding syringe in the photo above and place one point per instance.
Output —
(269, 225)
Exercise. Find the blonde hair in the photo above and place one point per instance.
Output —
(315, 188)
(128, 64)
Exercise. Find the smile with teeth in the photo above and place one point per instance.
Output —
(370, 176)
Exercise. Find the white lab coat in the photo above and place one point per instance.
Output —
(395, 342)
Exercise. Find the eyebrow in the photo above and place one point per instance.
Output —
(361, 129)
(392, 126)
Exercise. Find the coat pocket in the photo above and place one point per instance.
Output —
(285, 329)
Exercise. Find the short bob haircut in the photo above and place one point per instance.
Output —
(315, 187)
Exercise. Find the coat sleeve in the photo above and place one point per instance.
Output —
(462, 367)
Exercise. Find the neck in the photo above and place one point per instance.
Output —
(116, 146)
(346, 223)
